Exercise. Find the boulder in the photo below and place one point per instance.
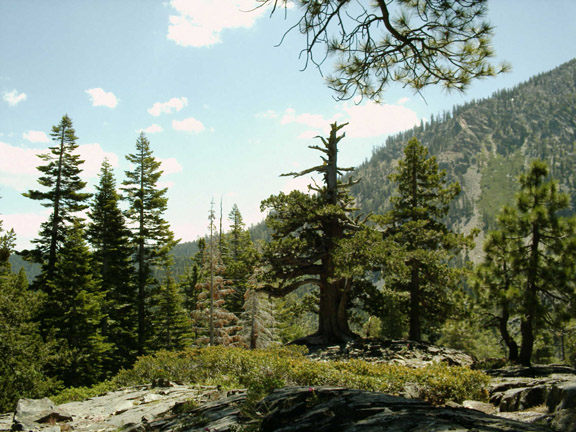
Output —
(39, 415)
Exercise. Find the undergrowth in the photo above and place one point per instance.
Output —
(261, 371)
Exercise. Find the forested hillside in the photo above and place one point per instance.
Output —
(485, 144)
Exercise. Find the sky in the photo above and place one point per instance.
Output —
(227, 107)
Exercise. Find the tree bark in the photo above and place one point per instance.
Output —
(506, 337)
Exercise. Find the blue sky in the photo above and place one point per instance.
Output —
(226, 110)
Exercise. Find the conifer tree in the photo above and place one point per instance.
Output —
(112, 254)
(151, 235)
(540, 247)
(421, 244)
(257, 320)
(172, 325)
(240, 258)
(306, 232)
(214, 324)
(23, 353)
(76, 313)
(61, 176)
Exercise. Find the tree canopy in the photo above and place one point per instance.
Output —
(414, 42)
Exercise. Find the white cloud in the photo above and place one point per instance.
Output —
(13, 97)
(367, 120)
(201, 22)
(26, 225)
(170, 166)
(188, 125)
(152, 129)
(18, 165)
(93, 155)
(99, 97)
(269, 114)
(403, 100)
(371, 119)
(36, 136)
(175, 104)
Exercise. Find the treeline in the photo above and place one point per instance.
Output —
(107, 292)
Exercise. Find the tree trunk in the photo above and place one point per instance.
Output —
(415, 332)
(506, 337)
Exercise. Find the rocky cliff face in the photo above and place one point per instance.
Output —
(485, 144)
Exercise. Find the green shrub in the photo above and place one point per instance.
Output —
(261, 371)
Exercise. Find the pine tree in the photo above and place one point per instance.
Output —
(540, 247)
(112, 254)
(306, 233)
(214, 324)
(61, 175)
(76, 314)
(151, 234)
(172, 325)
(257, 320)
(240, 259)
(23, 354)
(422, 245)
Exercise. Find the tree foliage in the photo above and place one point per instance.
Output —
(151, 236)
(112, 256)
(420, 246)
(306, 232)
(530, 260)
(61, 176)
(23, 354)
(75, 315)
(414, 42)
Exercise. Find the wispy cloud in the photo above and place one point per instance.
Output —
(200, 23)
(188, 125)
(170, 166)
(13, 97)
(18, 165)
(152, 129)
(99, 97)
(36, 136)
(366, 120)
(174, 104)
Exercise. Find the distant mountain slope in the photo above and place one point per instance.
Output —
(485, 144)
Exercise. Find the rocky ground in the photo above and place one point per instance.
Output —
(541, 398)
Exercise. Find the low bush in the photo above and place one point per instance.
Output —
(261, 371)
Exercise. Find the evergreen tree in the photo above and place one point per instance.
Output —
(214, 324)
(112, 254)
(306, 233)
(61, 175)
(240, 259)
(421, 244)
(540, 247)
(172, 325)
(151, 234)
(257, 320)
(23, 354)
(76, 313)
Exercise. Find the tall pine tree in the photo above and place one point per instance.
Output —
(151, 234)
(61, 176)
(240, 258)
(540, 247)
(112, 253)
(422, 244)
(76, 313)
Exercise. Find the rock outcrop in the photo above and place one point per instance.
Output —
(402, 352)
